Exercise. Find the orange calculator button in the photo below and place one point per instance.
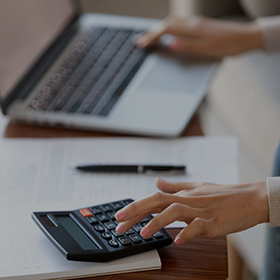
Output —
(85, 212)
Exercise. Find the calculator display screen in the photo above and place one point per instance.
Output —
(76, 232)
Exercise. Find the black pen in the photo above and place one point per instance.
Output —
(119, 168)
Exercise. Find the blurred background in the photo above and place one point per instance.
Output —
(161, 8)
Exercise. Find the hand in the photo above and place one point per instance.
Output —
(210, 210)
(204, 36)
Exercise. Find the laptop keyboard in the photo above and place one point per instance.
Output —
(94, 76)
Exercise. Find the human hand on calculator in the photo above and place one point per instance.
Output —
(210, 210)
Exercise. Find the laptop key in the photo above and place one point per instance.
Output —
(93, 65)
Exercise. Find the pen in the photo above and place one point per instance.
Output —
(131, 168)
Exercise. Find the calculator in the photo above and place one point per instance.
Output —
(89, 234)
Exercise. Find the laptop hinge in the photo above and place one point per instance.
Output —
(24, 87)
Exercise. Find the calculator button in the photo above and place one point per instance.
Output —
(116, 233)
(106, 235)
(92, 220)
(117, 205)
(102, 217)
(125, 240)
(85, 212)
(135, 238)
(130, 231)
(96, 210)
(111, 215)
(147, 219)
(106, 208)
(158, 235)
(148, 239)
(113, 243)
(138, 227)
(110, 225)
(99, 228)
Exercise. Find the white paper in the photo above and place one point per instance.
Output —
(27, 254)
(39, 175)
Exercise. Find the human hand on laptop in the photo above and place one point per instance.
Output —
(210, 210)
(204, 36)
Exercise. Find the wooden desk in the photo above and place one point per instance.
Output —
(199, 259)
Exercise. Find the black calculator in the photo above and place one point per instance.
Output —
(89, 234)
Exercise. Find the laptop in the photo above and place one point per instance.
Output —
(61, 68)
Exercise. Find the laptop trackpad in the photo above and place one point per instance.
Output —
(181, 75)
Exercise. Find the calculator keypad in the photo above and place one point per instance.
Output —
(113, 243)
(99, 228)
(92, 220)
(96, 210)
(110, 225)
(125, 240)
(106, 208)
(102, 219)
(106, 235)
(135, 238)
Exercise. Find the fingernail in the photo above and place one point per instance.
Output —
(177, 240)
(175, 45)
(145, 231)
(119, 228)
(120, 215)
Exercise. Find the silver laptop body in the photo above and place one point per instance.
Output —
(159, 100)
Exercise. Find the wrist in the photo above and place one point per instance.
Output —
(254, 37)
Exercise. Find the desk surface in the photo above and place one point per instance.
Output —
(199, 259)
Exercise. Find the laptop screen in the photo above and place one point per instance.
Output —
(27, 29)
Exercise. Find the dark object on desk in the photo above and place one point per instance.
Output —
(89, 234)
(87, 73)
(132, 168)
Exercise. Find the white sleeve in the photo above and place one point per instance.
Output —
(270, 27)
(273, 192)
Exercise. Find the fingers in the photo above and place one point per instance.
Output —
(125, 226)
(197, 227)
(154, 203)
(175, 212)
(191, 26)
(152, 36)
(173, 187)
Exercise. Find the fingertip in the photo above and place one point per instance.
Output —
(178, 240)
(120, 228)
(160, 183)
(159, 180)
(120, 215)
(135, 38)
(145, 232)
(140, 42)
